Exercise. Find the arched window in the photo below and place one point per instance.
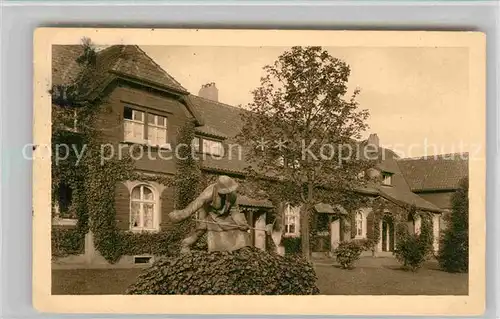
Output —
(359, 224)
(143, 208)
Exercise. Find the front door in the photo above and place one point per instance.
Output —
(387, 236)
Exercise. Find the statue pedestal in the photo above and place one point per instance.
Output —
(228, 240)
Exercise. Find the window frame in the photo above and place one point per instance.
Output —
(292, 218)
(132, 120)
(387, 176)
(142, 201)
(362, 222)
(146, 126)
(157, 126)
(204, 151)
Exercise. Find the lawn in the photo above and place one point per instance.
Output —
(378, 276)
(385, 281)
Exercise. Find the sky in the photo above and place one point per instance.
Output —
(417, 97)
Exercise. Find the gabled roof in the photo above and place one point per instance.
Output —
(130, 60)
(399, 192)
(435, 173)
(127, 62)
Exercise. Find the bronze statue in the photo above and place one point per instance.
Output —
(218, 214)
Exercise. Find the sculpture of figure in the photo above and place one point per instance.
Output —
(218, 214)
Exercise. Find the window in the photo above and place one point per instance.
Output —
(63, 207)
(133, 125)
(359, 224)
(143, 209)
(195, 144)
(157, 130)
(291, 220)
(386, 179)
(213, 147)
(290, 163)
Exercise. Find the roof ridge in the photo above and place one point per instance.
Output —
(435, 156)
(159, 67)
(220, 103)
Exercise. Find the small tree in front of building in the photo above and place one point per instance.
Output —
(454, 249)
(302, 129)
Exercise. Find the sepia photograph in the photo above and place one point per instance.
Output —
(262, 163)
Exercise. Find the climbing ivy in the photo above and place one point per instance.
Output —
(67, 241)
(92, 180)
(398, 216)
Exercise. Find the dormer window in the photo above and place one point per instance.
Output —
(208, 146)
(212, 147)
(386, 179)
(144, 128)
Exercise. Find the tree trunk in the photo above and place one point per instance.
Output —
(305, 232)
(305, 224)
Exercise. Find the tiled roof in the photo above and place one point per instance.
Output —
(64, 65)
(329, 209)
(207, 130)
(122, 60)
(132, 61)
(433, 173)
(226, 121)
(251, 202)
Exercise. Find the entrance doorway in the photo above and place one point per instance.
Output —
(387, 233)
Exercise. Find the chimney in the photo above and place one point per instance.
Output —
(373, 140)
(209, 91)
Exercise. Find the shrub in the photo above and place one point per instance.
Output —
(347, 253)
(246, 271)
(454, 249)
(410, 252)
(67, 242)
(292, 245)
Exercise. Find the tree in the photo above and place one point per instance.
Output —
(303, 131)
(454, 249)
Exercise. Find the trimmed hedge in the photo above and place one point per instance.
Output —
(293, 245)
(246, 271)
(67, 241)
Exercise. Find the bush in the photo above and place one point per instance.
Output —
(411, 252)
(347, 253)
(454, 249)
(292, 245)
(246, 271)
(67, 242)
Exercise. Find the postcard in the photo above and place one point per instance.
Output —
(259, 172)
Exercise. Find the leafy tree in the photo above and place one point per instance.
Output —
(303, 129)
(454, 248)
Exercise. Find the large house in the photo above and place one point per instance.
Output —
(145, 105)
